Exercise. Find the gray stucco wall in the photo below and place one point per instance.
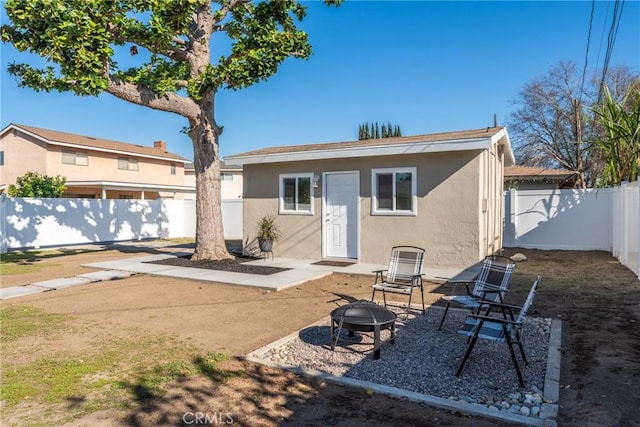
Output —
(447, 224)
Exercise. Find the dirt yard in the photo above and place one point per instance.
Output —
(597, 299)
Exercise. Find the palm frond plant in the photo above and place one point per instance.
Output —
(621, 140)
(268, 232)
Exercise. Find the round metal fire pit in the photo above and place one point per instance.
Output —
(363, 316)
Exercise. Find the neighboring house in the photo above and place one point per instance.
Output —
(230, 180)
(93, 167)
(355, 200)
(534, 178)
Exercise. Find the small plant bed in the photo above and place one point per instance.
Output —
(236, 265)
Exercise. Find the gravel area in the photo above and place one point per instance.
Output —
(425, 360)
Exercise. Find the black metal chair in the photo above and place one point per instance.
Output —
(507, 328)
(490, 284)
(403, 276)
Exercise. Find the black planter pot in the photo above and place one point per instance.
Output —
(265, 245)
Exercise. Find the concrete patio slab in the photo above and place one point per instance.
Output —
(431, 274)
(19, 291)
(98, 276)
(65, 282)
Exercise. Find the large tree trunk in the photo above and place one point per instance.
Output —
(204, 134)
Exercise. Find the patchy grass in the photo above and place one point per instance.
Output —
(19, 321)
(121, 371)
(22, 262)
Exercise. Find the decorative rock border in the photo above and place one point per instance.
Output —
(534, 407)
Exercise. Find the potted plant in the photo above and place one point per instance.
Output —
(268, 232)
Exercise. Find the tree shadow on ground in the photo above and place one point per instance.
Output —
(246, 394)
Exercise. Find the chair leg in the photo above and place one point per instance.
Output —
(474, 338)
(424, 311)
(524, 357)
(516, 364)
(406, 314)
(384, 298)
(373, 295)
(446, 309)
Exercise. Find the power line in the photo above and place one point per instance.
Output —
(604, 26)
(613, 32)
(586, 54)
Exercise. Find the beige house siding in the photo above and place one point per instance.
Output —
(231, 188)
(26, 153)
(491, 201)
(20, 158)
(101, 165)
(446, 224)
(458, 216)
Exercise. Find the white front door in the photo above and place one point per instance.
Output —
(341, 214)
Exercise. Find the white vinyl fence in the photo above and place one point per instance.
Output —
(605, 219)
(32, 223)
(626, 226)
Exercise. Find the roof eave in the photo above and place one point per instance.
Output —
(88, 147)
(365, 151)
(132, 186)
(502, 138)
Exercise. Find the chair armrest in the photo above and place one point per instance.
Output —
(500, 305)
(460, 282)
(455, 284)
(417, 278)
(379, 274)
(493, 319)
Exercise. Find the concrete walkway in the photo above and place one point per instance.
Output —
(299, 271)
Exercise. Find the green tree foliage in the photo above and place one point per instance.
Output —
(32, 184)
(374, 131)
(168, 44)
(620, 142)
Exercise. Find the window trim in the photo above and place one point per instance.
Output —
(76, 155)
(393, 211)
(281, 208)
(130, 161)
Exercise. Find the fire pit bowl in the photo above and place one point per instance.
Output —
(363, 316)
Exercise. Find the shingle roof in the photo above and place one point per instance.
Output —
(533, 172)
(433, 137)
(98, 143)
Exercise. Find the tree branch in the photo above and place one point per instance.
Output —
(144, 96)
(222, 14)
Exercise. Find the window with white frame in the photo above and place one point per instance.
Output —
(296, 193)
(393, 191)
(173, 168)
(75, 158)
(127, 164)
(227, 176)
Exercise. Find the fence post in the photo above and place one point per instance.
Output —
(510, 219)
(624, 218)
(3, 223)
(636, 218)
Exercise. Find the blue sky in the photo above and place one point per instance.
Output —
(425, 66)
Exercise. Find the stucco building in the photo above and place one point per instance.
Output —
(354, 200)
(93, 167)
